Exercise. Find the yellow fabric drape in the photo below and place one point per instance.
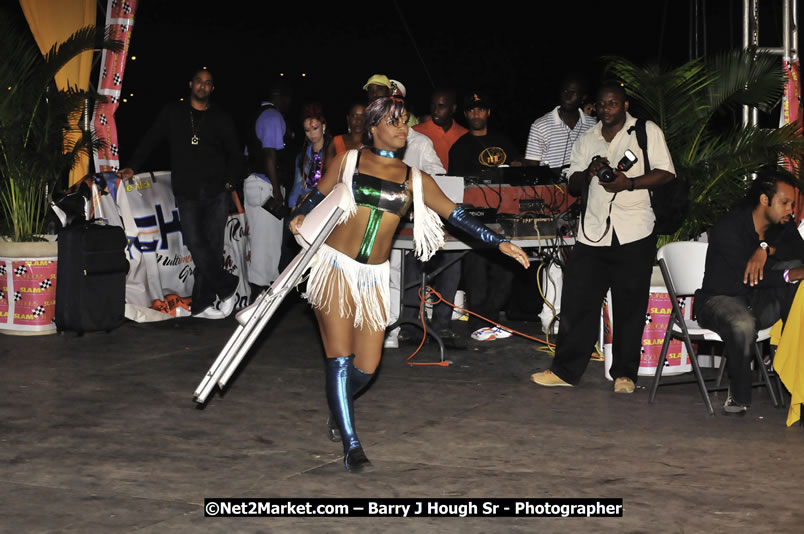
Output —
(51, 22)
(787, 362)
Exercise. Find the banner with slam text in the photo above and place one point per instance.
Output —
(160, 279)
(28, 294)
(657, 316)
(119, 24)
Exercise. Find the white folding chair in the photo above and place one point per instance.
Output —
(317, 226)
(682, 265)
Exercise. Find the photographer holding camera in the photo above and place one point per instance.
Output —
(616, 243)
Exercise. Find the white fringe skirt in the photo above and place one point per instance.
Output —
(357, 289)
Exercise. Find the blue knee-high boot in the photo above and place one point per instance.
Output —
(359, 381)
(339, 396)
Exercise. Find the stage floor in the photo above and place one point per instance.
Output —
(100, 434)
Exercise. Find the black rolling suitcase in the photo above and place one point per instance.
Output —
(91, 278)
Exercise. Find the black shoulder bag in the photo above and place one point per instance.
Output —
(670, 202)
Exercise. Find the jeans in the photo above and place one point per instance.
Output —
(203, 222)
(737, 320)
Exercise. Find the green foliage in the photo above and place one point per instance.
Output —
(698, 106)
(33, 118)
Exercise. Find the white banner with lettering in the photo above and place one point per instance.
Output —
(160, 279)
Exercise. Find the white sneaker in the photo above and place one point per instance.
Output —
(227, 306)
(210, 312)
(490, 333)
(392, 339)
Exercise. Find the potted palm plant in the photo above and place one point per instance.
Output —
(698, 106)
(34, 159)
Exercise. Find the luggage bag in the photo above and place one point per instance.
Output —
(91, 278)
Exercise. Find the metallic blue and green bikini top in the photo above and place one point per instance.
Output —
(379, 196)
(376, 193)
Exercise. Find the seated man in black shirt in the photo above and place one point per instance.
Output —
(486, 279)
(753, 265)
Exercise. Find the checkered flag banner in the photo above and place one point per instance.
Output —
(44, 284)
(17, 296)
(21, 270)
(39, 310)
(2, 294)
(3, 269)
(119, 25)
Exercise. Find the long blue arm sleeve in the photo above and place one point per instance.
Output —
(473, 227)
(310, 201)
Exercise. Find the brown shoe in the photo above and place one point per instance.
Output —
(549, 379)
(624, 385)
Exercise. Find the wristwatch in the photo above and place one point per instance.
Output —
(764, 246)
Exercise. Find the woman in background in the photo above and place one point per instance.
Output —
(355, 125)
(310, 161)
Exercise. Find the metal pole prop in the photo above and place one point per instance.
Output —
(254, 318)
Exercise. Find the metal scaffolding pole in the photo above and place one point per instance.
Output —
(789, 49)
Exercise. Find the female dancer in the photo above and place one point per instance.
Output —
(348, 285)
(355, 121)
(310, 161)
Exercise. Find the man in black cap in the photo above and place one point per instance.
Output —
(480, 148)
(486, 279)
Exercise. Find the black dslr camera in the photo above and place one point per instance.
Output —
(606, 175)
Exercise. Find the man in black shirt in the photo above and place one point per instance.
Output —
(487, 278)
(753, 265)
(205, 162)
(480, 148)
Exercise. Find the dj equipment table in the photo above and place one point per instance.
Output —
(515, 198)
(404, 241)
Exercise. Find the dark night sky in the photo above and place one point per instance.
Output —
(516, 51)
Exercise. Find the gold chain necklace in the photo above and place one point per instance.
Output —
(194, 140)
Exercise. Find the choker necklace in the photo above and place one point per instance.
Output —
(384, 153)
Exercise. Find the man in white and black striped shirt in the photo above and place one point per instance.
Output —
(553, 134)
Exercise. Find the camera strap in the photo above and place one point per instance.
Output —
(585, 202)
